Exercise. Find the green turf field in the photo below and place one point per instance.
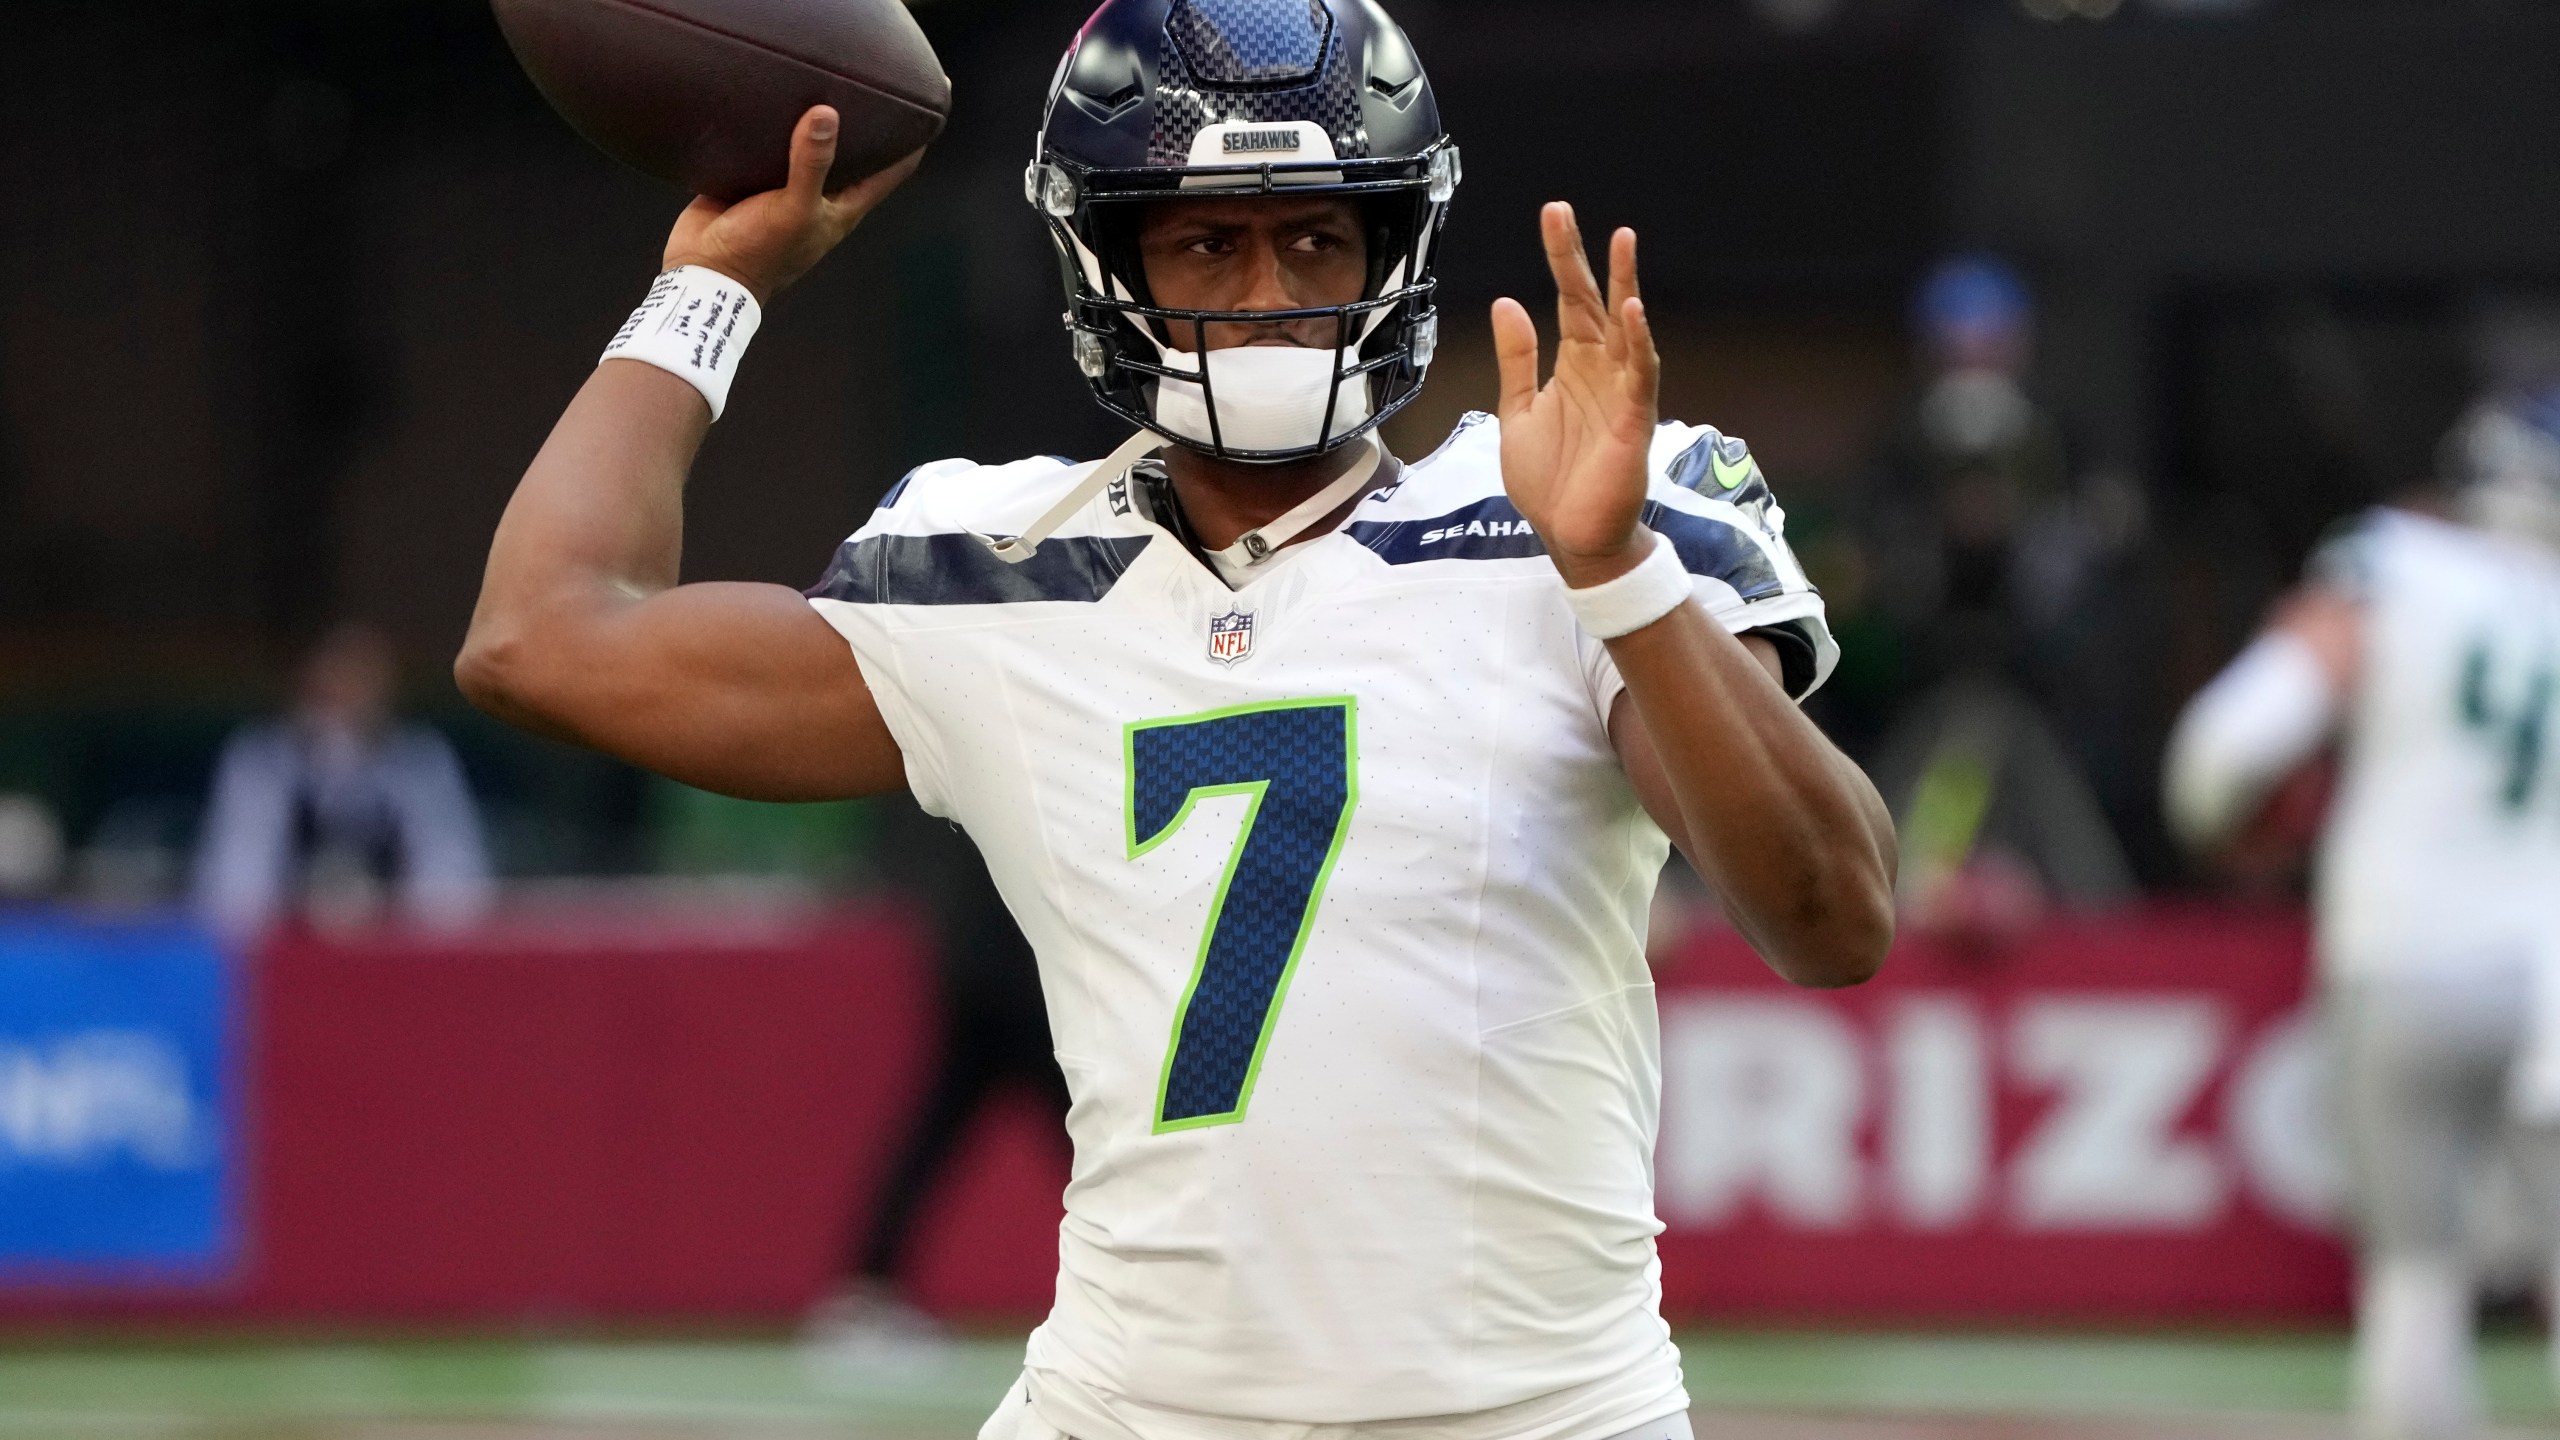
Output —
(593, 1390)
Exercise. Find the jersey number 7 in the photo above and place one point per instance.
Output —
(1298, 761)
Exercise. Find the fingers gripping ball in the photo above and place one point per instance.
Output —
(705, 92)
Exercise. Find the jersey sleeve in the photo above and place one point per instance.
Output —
(1709, 499)
(852, 596)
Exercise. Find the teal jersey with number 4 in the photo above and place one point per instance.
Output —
(1339, 895)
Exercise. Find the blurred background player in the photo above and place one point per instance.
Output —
(340, 811)
(2429, 649)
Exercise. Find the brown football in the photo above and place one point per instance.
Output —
(705, 92)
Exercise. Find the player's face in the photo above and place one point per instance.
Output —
(1264, 253)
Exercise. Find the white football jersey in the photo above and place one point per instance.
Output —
(2444, 845)
(1339, 896)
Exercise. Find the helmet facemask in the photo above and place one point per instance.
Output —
(1258, 404)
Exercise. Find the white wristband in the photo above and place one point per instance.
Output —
(695, 325)
(1657, 586)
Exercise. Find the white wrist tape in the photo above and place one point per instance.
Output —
(695, 325)
(1657, 586)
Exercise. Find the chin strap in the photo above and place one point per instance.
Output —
(1257, 545)
(1254, 547)
(1015, 549)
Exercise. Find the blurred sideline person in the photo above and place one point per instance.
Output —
(1982, 547)
(338, 813)
(2430, 650)
(1969, 485)
(31, 850)
(992, 1033)
(1330, 789)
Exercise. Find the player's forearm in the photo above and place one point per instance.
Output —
(1790, 834)
(2269, 711)
(597, 524)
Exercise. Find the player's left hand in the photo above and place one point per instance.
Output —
(1575, 451)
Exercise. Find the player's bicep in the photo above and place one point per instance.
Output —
(736, 688)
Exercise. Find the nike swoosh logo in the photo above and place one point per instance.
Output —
(1731, 474)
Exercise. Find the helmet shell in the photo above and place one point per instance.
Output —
(1144, 76)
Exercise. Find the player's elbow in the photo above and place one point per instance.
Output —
(1836, 940)
(480, 672)
(494, 672)
(1840, 964)
(537, 677)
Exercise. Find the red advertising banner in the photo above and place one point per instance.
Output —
(681, 1113)
(2118, 1119)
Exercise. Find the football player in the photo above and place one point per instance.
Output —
(2431, 650)
(1330, 789)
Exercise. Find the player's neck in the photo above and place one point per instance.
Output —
(1223, 499)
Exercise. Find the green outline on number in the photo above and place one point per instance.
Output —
(1350, 707)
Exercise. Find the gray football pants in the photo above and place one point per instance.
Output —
(2422, 1071)
(2422, 1068)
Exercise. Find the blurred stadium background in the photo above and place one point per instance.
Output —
(296, 286)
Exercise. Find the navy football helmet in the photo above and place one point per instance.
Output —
(1159, 99)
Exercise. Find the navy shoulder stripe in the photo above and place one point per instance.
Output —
(961, 570)
(1492, 529)
(1716, 549)
(1489, 529)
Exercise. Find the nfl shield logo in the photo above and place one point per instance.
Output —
(1230, 636)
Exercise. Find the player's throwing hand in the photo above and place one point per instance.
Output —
(766, 241)
(1574, 451)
